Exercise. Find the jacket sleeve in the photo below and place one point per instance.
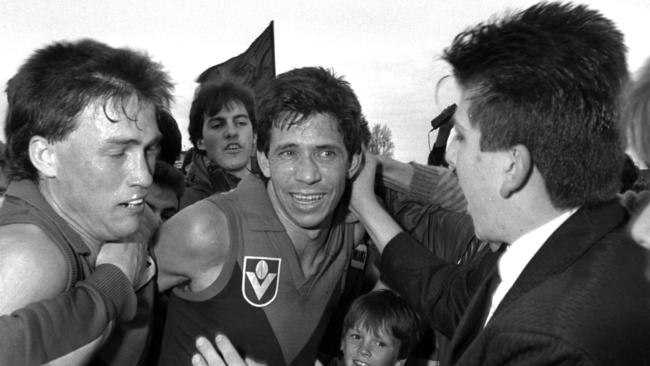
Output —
(440, 289)
(49, 330)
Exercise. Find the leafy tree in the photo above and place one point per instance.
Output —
(381, 141)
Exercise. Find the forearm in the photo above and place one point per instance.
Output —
(69, 325)
(440, 289)
(423, 183)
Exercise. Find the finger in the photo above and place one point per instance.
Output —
(208, 352)
(230, 354)
(198, 360)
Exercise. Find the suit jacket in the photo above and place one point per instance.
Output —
(582, 299)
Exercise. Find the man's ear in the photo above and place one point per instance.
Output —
(200, 144)
(355, 165)
(517, 170)
(263, 162)
(42, 156)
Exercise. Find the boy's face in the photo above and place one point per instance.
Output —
(365, 347)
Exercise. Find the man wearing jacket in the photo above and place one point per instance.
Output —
(538, 157)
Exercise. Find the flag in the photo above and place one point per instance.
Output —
(254, 68)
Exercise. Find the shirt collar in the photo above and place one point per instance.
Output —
(519, 253)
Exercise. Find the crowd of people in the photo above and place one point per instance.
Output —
(282, 241)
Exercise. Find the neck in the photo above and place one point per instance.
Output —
(50, 197)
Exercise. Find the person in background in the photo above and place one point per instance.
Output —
(171, 142)
(222, 129)
(165, 192)
(636, 126)
(380, 328)
(75, 276)
(538, 156)
(3, 172)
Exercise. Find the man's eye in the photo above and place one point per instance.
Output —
(243, 122)
(287, 154)
(327, 154)
(116, 153)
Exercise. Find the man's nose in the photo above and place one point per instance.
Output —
(308, 171)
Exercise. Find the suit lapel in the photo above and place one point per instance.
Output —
(569, 242)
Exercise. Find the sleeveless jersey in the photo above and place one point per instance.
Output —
(261, 299)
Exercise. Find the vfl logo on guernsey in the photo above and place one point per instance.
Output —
(260, 280)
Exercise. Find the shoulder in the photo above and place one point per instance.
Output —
(32, 267)
(193, 242)
(200, 224)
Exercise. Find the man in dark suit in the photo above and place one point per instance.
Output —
(538, 157)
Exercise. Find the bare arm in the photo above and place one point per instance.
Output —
(45, 323)
(192, 247)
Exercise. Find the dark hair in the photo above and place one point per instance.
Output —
(166, 175)
(171, 142)
(298, 94)
(60, 80)
(384, 310)
(636, 113)
(211, 98)
(549, 78)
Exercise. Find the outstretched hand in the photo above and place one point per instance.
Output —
(224, 354)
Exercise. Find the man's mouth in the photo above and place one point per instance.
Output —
(233, 147)
(132, 204)
(307, 198)
(359, 363)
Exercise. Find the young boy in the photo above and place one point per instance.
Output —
(379, 329)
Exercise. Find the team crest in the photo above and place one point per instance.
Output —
(260, 280)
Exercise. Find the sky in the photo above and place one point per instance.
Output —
(389, 51)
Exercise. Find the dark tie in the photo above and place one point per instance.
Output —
(475, 314)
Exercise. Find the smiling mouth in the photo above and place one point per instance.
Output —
(307, 198)
(359, 363)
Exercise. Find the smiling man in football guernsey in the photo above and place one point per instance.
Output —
(263, 263)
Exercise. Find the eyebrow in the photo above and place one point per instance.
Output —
(219, 118)
(132, 141)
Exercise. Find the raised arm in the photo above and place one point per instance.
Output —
(423, 183)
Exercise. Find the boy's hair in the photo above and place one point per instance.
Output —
(549, 78)
(298, 94)
(171, 142)
(166, 175)
(384, 310)
(59, 81)
(211, 98)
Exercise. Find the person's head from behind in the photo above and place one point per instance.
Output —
(310, 136)
(81, 123)
(379, 329)
(222, 125)
(165, 192)
(171, 142)
(540, 99)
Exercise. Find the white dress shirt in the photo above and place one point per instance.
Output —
(519, 253)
